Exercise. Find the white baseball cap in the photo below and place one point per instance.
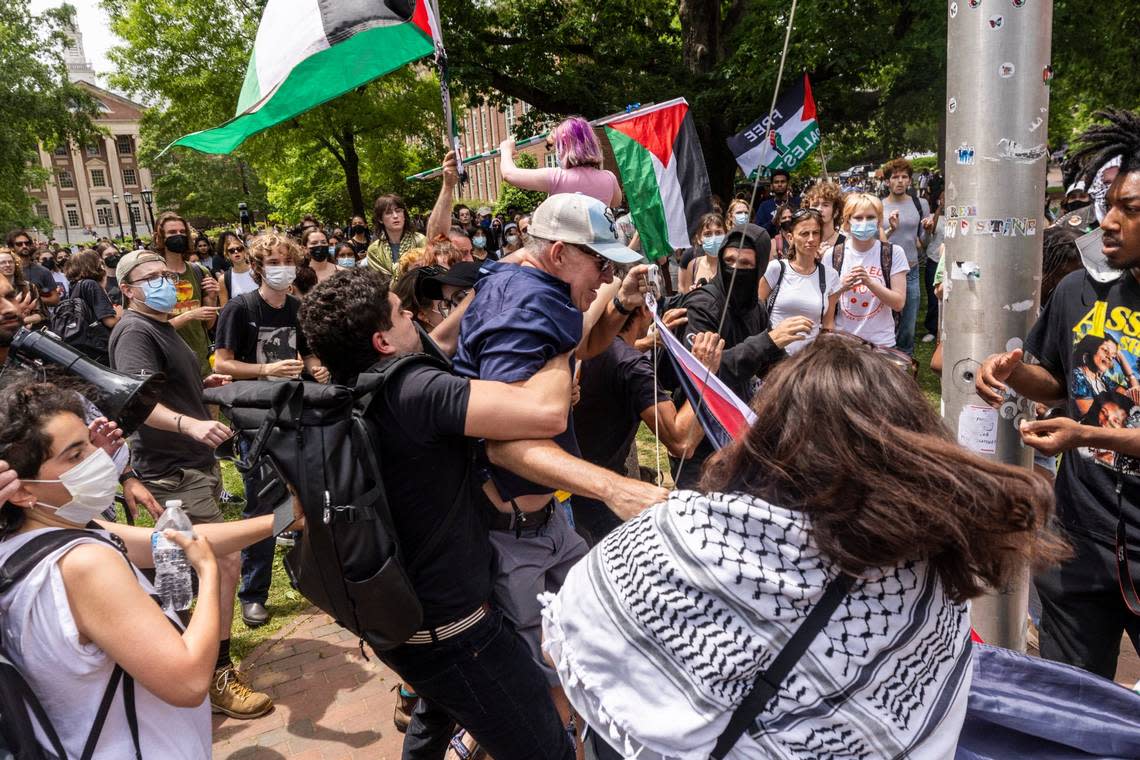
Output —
(582, 221)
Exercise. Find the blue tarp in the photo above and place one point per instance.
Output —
(1026, 707)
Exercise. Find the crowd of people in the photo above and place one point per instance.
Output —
(570, 590)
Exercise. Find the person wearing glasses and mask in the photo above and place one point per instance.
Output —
(320, 253)
(173, 452)
(238, 278)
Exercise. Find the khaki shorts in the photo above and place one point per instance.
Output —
(198, 490)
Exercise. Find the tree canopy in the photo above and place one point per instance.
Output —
(38, 101)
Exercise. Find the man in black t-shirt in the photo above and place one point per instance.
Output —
(173, 451)
(467, 664)
(1088, 344)
(259, 337)
(21, 242)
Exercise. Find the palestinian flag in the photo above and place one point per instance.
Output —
(662, 173)
(795, 134)
(308, 52)
(723, 416)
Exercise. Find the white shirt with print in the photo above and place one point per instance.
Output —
(860, 311)
(799, 296)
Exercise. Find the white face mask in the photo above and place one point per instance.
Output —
(92, 484)
(280, 277)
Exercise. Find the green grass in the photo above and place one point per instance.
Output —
(284, 602)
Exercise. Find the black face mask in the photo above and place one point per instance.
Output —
(744, 291)
(112, 261)
(359, 229)
(48, 264)
(1070, 206)
(177, 243)
(319, 252)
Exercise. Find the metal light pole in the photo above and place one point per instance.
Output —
(118, 217)
(148, 196)
(130, 198)
(997, 103)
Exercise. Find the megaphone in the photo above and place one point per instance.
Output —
(126, 400)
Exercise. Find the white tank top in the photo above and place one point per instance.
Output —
(69, 678)
(242, 282)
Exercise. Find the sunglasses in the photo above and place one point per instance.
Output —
(800, 214)
(604, 264)
(238, 249)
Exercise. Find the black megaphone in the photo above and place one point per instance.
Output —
(125, 399)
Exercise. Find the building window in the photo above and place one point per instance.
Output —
(93, 149)
(136, 212)
(551, 160)
(64, 179)
(129, 177)
(483, 119)
(509, 115)
(72, 216)
(42, 211)
(98, 178)
(61, 150)
(103, 215)
(123, 143)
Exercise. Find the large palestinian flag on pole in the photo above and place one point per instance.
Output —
(794, 135)
(308, 52)
(663, 174)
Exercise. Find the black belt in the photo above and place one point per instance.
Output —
(518, 521)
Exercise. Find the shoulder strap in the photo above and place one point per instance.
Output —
(229, 280)
(886, 260)
(821, 271)
(775, 288)
(767, 683)
(36, 550)
(917, 206)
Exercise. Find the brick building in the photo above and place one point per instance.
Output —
(481, 130)
(97, 186)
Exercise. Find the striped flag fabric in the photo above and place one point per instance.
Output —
(663, 174)
(794, 135)
(308, 52)
(723, 416)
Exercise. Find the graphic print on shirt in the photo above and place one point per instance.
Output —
(1104, 384)
(185, 294)
(860, 303)
(276, 344)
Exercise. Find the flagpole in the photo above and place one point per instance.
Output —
(639, 111)
(450, 128)
(822, 152)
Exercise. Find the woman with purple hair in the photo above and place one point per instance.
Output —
(580, 165)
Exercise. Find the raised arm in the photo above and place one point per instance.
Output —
(527, 179)
(440, 220)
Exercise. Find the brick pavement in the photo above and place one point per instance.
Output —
(331, 704)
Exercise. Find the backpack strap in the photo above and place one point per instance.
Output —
(886, 260)
(228, 279)
(821, 271)
(767, 683)
(776, 288)
(18, 720)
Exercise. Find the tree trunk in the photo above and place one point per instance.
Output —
(351, 164)
(702, 51)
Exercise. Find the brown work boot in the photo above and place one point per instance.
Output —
(402, 712)
(229, 694)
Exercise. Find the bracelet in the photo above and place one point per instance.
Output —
(127, 474)
(621, 309)
(179, 422)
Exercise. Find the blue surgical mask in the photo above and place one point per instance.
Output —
(479, 241)
(161, 296)
(864, 229)
(346, 263)
(740, 217)
(711, 244)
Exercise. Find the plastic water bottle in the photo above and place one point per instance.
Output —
(171, 569)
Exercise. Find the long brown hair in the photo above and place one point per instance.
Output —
(849, 440)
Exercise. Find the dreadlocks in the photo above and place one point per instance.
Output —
(1104, 142)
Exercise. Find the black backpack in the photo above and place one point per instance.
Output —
(20, 709)
(780, 280)
(320, 442)
(76, 325)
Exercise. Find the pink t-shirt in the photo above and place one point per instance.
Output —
(596, 183)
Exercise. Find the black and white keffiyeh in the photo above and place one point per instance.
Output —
(658, 634)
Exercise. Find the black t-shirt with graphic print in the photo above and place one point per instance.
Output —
(1088, 336)
(258, 333)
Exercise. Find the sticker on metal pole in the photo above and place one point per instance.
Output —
(977, 428)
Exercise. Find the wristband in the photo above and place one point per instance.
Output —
(621, 309)
(180, 423)
(127, 474)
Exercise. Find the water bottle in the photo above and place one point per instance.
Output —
(171, 569)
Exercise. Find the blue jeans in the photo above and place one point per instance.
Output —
(928, 271)
(904, 333)
(485, 680)
(256, 559)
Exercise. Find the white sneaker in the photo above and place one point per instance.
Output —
(928, 338)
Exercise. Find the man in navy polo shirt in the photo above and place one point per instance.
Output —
(522, 316)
